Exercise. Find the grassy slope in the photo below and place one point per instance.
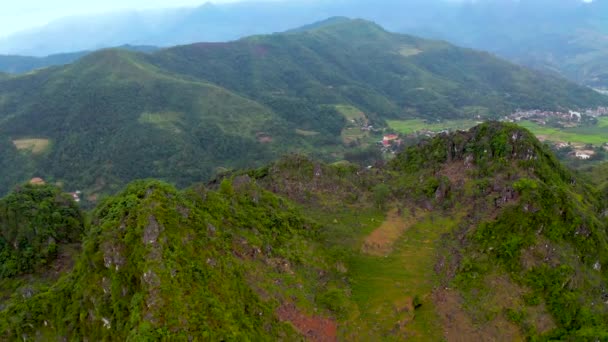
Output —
(98, 114)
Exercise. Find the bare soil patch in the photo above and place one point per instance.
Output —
(314, 328)
(380, 241)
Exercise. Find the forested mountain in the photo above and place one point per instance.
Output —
(21, 64)
(566, 37)
(180, 113)
(14, 64)
(478, 235)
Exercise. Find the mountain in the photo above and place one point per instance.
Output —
(568, 38)
(478, 235)
(185, 113)
(23, 64)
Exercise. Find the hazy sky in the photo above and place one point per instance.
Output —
(17, 15)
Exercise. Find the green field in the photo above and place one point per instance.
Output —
(596, 135)
(415, 125)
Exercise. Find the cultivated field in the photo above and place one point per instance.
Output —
(596, 135)
(355, 119)
(35, 146)
(415, 125)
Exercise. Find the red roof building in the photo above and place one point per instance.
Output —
(390, 137)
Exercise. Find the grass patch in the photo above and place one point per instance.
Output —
(602, 122)
(355, 120)
(35, 146)
(165, 120)
(305, 133)
(415, 125)
(384, 287)
(407, 51)
(351, 113)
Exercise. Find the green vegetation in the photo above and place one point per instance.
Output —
(181, 114)
(35, 220)
(474, 235)
(597, 135)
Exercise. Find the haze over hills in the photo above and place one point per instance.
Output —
(182, 114)
(13, 64)
(478, 235)
(567, 37)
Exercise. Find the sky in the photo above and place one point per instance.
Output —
(19, 15)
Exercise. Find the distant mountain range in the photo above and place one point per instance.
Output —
(566, 37)
(185, 113)
(13, 64)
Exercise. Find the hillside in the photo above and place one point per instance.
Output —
(359, 62)
(21, 64)
(14, 64)
(478, 235)
(110, 118)
(186, 113)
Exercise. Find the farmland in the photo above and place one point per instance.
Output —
(595, 135)
(35, 146)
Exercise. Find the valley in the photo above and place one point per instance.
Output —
(332, 182)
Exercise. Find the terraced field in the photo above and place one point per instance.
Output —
(355, 119)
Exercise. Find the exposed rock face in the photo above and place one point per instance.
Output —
(151, 231)
(113, 254)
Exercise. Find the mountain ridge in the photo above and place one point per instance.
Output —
(295, 242)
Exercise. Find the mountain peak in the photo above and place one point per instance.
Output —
(339, 23)
(488, 147)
